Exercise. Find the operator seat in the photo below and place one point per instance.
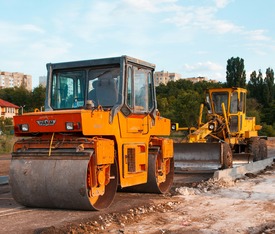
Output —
(106, 91)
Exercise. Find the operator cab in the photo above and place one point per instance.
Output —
(232, 98)
(234, 103)
(121, 83)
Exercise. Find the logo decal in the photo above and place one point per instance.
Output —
(46, 122)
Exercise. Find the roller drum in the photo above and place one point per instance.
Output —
(50, 183)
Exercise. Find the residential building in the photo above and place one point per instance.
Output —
(7, 109)
(163, 77)
(200, 79)
(15, 79)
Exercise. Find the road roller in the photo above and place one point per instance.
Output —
(100, 132)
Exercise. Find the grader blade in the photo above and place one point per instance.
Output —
(242, 158)
(197, 157)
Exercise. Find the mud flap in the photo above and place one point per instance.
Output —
(196, 157)
(50, 182)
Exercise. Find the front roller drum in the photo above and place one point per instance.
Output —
(51, 182)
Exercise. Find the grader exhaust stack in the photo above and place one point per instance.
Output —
(227, 138)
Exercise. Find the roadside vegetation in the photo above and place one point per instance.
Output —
(6, 143)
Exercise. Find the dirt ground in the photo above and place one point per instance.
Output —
(210, 207)
(4, 164)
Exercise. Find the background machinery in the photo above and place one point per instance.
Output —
(100, 130)
(227, 137)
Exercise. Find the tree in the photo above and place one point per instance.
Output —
(38, 97)
(186, 108)
(235, 73)
(255, 86)
(20, 96)
(269, 87)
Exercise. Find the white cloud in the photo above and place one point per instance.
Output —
(221, 26)
(153, 6)
(49, 49)
(203, 67)
(211, 70)
(16, 33)
(222, 3)
(257, 35)
(30, 28)
(197, 18)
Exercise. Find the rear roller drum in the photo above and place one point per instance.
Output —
(160, 175)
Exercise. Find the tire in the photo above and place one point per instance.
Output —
(227, 156)
(253, 148)
(262, 149)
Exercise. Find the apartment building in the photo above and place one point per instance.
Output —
(163, 77)
(200, 79)
(15, 79)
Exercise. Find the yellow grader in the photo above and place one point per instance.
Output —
(100, 131)
(228, 137)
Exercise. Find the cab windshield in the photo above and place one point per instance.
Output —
(72, 89)
(219, 98)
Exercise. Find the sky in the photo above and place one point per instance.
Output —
(189, 37)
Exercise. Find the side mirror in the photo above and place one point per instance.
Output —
(207, 105)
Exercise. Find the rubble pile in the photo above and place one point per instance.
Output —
(205, 186)
(120, 220)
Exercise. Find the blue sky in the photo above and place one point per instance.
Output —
(190, 37)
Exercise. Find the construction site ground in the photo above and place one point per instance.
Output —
(196, 204)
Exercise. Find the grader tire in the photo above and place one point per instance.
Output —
(227, 156)
(262, 149)
(253, 148)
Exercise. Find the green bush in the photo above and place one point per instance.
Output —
(267, 130)
(6, 143)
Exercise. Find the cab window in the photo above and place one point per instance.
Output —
(218, 99)
(139, 90)
(68, 89)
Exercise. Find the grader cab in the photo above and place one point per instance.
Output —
(100, 131)
(228, 137)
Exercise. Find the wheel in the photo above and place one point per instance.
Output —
(262, 149)
(253, 148)
(158, 180)
(102, 185)
(227, 156)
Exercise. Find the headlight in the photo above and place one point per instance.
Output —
(24, 127)
(174, 126)
(211, 126)
(69, 126)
